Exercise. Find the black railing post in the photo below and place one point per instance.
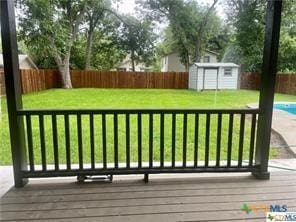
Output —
(268, 77)
(13, 90)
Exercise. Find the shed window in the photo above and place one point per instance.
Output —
(228, 72)
(206, 58)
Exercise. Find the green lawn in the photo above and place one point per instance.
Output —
(127, 98)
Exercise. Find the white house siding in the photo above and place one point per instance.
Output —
(192, 80)
(128, 67)
(213, 58)
(210, 78)
(164, 64)
(200, 79)
(171, 63)
(196, 76)
(228, 82)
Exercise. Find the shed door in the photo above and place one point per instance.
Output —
(210, 78)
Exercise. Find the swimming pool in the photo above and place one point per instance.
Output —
(288, 107)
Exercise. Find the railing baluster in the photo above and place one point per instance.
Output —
(184, 139)
(67, 141)
(162, 140)
(173, 139)
(150, 140)
(139, 140)
(196, 126)
(207, 142)
(80, 143)
(127, 139)
(252, 140)
(115, 128)
(30, 142)
(241, 140)
(229, 146)
(42, 142)
(53, 118)
(55, 141)
(104, 141)
(218, 140)
(92, 140)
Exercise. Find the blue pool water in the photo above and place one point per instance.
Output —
(288, 107)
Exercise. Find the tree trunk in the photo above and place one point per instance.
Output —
(201, 31)
(63, 65)
(187, 62)
(88, 51)
(133, 60)
(64, 70)
(198, 48)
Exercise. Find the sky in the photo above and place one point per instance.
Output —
(128, 6)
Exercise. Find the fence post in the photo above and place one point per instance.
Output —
(268, 77)
(13, 90)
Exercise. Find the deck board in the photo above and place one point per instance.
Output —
(162, 199)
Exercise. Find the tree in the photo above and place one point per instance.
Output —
(96, 17)
(202, 29)
(106, 52)
(248, 19)
(51, 27)
(136, 39)
(191, 24)
(287, 53)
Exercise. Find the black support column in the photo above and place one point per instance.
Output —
(13, 90)
(268, 77)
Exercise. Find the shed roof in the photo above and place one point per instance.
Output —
(215, 64)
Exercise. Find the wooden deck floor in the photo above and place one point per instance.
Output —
(164, 198)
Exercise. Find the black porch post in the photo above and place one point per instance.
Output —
(268, 77)
(13, 90)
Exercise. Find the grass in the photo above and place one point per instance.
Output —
(132, 98)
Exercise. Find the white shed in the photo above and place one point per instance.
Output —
(203, 76)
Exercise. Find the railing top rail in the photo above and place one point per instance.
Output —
(135, 111)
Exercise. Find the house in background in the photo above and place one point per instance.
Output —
(25, 62)
(126, 66)
(171, 62)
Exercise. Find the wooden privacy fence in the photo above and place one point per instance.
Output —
(42, 79)
(37, 80)
(108, 79)
(285, 83)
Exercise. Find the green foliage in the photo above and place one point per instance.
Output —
(168, 42)
(232, 53)
(248, 19)
(90, 33)
(287, 53)
(137, 39)
(47, 27)
(105, 50)
(186, 19)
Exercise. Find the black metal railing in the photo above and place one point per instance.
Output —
(99, 142)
